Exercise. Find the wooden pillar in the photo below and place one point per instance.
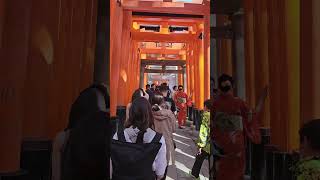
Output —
(293, 62)
(116, 18)
(180, 77)
(249, 52)
(207, 57)
(102, 61)
(2, 18)
(188, 72)
(309, 60)
(13, 55)
(145, 80)
(201, 72)
(123, 86)
(261, 65)
(196, 73)
(192, 71)
(225, 49)
(284, 73)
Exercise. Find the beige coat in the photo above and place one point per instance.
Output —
(164, 122)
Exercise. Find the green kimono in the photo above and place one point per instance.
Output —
(204, 134)
(308, 169)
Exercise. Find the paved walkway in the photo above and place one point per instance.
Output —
(185, 156)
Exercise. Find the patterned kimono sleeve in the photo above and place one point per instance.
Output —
(251, 126)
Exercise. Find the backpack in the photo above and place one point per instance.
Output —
(133, 161)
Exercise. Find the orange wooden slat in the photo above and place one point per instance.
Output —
(154, 37)
(147, 6)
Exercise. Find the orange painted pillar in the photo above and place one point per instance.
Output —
(130, 71)
(202, 71)
(207, 57)
(197, 74)
(249, 52)
(225, 49)
(261, 65)
(284, 73)
(116, 18)
(309, 61)
(13, 64)
(137, 68)
(123, 85)
(145, 80)
(188, 72)
(180, 78)
(2, 18)
(192, 72)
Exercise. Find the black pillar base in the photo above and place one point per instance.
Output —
(36, 158)
(18, 175)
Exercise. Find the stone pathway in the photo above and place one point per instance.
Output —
(185, 156)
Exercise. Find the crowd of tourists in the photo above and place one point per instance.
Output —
(144, 148)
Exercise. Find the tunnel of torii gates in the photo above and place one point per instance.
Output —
(42, 70)
(147, 39)
(279, 50)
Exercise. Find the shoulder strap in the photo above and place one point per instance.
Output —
(121, 136)
(140, 137)
(157, 138)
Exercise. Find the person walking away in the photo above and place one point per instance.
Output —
(79, 152)
(164, 123)
(136, 94)
(181, 103)
(169, 101)
(168, 89)
(231, 127)
(308, 168)
(175, 89)
(149, 92)
(138, 152)
(153, 88)
(203, 140)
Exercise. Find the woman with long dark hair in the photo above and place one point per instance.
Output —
(81, 150)
(136, 94)
(138, 152)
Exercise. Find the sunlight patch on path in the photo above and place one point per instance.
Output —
(184, 137)
(181, 142)
(185, 169)
(181, 152)
(169, 178)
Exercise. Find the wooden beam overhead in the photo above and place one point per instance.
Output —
(153, 37)
(166, 19)
(148, 6)
(145, 62)
(161, 51)
(163, 71)
(170, 23)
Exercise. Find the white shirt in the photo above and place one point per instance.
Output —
(160, 162)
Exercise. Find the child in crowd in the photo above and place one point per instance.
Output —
(203, 140)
